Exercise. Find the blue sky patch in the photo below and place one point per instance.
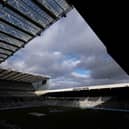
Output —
(82, 71)
(71, 57)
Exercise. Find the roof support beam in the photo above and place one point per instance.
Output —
(2, 58)
(10, 75)
(16, 27)
(5, 74)
(14, 76)
(14, 37)
(4, 42)
(21, 77)
(6, 49)
(45, 9)
(23, 15)
(1, 53)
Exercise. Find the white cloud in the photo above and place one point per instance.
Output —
(78, 75)
(57, 53)
(70, 63)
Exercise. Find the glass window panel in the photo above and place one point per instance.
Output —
(5, 51)
(6, 46)
(26, 10)
(1, 70)
(52, 6)
(63, 4)
(4, 72)
(10, 40)
(1, 59)
(28, 78)
(3, 56)
(22, 76)
(14, 32)
(17, 20)
(14, 76)
(43, 15)
(10, 74)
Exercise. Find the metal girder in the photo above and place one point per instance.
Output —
(14, 37)
(23, 15)
(17, 27)
(13, 32)
(6, 49)
(7, 43)
(45, 9)
(9, 75)
(20, 77)
(2, 75)
(3, 56)
(17, 74)
(1, 53)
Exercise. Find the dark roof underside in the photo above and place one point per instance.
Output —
(22, 20)
(20, 77)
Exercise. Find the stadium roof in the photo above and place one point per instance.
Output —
(22, 20)
(85, 88)
(21, 77)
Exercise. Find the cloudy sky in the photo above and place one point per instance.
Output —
(69, 52)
